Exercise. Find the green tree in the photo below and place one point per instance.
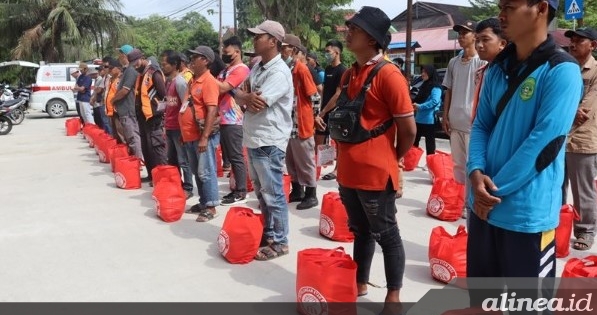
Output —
(482, 9)
(57, 30)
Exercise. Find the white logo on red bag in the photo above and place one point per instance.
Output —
(435, 206)
(312, 302)
(120, 180)
(223, 242)
(326, 226)
(442, 270)
(157, 204)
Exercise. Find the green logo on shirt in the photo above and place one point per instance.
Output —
(527, 89)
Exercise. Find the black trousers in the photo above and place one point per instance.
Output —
(427, 131)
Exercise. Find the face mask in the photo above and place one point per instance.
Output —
(227, 59)
(329, 57)
(141, 69)
(289, 60)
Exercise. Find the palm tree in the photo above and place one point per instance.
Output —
(54, 30)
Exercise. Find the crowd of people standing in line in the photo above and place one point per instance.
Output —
(510, 158)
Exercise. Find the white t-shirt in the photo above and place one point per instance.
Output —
(460, 78)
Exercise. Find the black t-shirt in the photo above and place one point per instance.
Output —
(333, 75)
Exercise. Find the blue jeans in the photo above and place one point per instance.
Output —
(203, 166)
(265, 168)
(177, 156)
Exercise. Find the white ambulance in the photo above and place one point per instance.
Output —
(51, 92)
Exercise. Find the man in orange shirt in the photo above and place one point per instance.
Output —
(300, 154)
(115, 71)
(197, 119)
(368, 168)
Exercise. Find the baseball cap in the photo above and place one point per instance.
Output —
(74, 70)
(585, 32)
(272, 28)
(313, 56)
(373, 21)
(134, 55)
(468, 25)
(114, 63)
(554, 3)
(204, 51)
(125, 49)
(294, 41)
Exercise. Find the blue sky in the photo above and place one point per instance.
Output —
(144, 8)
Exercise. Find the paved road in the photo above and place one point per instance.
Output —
(68, 234)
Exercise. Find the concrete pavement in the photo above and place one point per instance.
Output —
(68, 234)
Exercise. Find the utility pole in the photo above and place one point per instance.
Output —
(220, 33)
(234, 12)
(409, 30)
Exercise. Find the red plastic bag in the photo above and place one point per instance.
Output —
(126, 172)
(446, 200)
(219, 162)
(170, 200)
(412, 158)
(333, 220)
(440, 165)
(94, 134)
(104, 149)
(73, 125)
(579, 280)
(564, 230)
(447, 254)
(286, 184)
(117, 151)
(325, 277)
(167, 173)
(240, 236)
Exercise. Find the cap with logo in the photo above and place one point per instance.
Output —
(125, 49)
(204, 51)
(373, 21)
(468, 25)
(134, 55)
(585, 32)
(270, 27)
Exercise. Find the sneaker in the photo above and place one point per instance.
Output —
(233, 198)
(188, 194)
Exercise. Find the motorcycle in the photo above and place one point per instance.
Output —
(7, 99)
(5, 121)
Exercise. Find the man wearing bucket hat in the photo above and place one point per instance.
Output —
(516, 157)
(581, 147)
(266, 130)
(368, 182)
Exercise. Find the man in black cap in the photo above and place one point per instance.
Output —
(458, 100)
(315, 67)
(368, 182)
(516, 157)
(581, 147)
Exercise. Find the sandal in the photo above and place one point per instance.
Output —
(206, 215)
(329, 176)
(270, 252)
(583, 242)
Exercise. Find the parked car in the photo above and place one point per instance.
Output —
(416, 83)
(52, 91)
